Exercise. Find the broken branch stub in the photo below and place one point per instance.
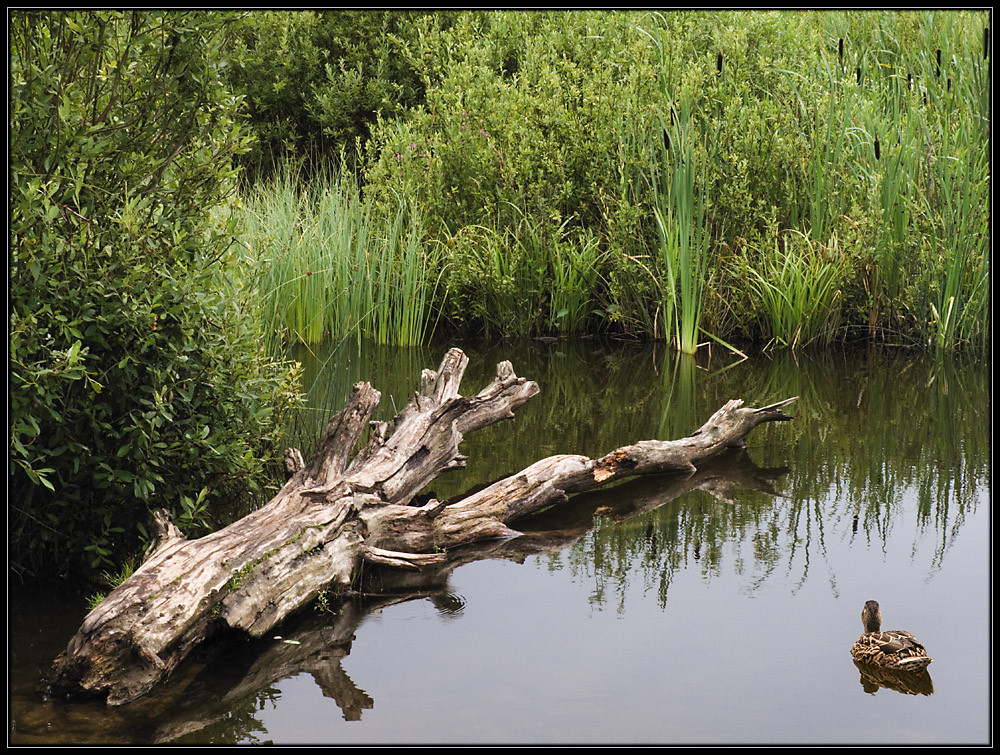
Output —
(335, 512)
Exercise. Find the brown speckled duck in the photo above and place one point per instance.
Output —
(893, 648)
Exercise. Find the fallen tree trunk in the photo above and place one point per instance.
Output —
(341, 510)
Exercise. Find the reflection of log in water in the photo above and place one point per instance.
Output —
(313, 643)
(316, 642)
(874, 678)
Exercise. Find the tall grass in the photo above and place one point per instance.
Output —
(797, 291)
(526, 278)
(823, 114)
(405, 275)
(329, 265)
(679, 208)
(957, 200)
(897, 159)
(679, 180)
(936, 181)
(959, 303)
(576, 263)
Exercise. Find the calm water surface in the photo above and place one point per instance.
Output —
(716, 608)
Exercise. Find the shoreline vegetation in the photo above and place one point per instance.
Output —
(195, 192)
(773, 178)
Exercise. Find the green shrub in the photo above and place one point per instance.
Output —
(316, 81)
(135, 381)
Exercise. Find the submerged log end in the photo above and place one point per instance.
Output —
(100, 672)
(773, 413)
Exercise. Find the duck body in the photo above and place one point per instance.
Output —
(893, 648)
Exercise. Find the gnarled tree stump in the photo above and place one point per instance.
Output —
(340, 510)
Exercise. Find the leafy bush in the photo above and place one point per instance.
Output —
(316, 81)
(134, 382)
(519, 145)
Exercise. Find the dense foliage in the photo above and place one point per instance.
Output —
(136, 374)
(782, 177)
(315, 82)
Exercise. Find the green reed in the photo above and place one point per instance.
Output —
(327, 264)
(404, 280)
(848, 129)
(959, 302)
(896, 160)
(821, 111)
(576, 261)
(507, 282)
(958, 205)
(679, 180)
(797, 291)
(680, 220)
(526, 277)
(941, 165)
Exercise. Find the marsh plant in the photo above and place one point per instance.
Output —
(679, 202)
(331, 265)
(795, 289)
(584, 171)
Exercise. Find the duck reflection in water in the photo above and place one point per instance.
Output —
(874, 678)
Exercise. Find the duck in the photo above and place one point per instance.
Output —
(893, 648)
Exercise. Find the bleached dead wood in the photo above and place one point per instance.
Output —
(341, 509)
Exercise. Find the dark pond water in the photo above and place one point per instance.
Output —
(717, 608)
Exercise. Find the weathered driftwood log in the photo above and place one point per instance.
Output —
(340, 510)
(204, 689)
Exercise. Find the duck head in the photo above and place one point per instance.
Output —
(871, 616)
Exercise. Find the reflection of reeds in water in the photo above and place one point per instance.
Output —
(867, 438)
(330, 371)
(871, 432)
(656, 526)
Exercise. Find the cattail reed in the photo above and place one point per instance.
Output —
(840, 49)
(938, 55)
(857, 72)
(877, 153)
(666, 140)
(718, 62)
